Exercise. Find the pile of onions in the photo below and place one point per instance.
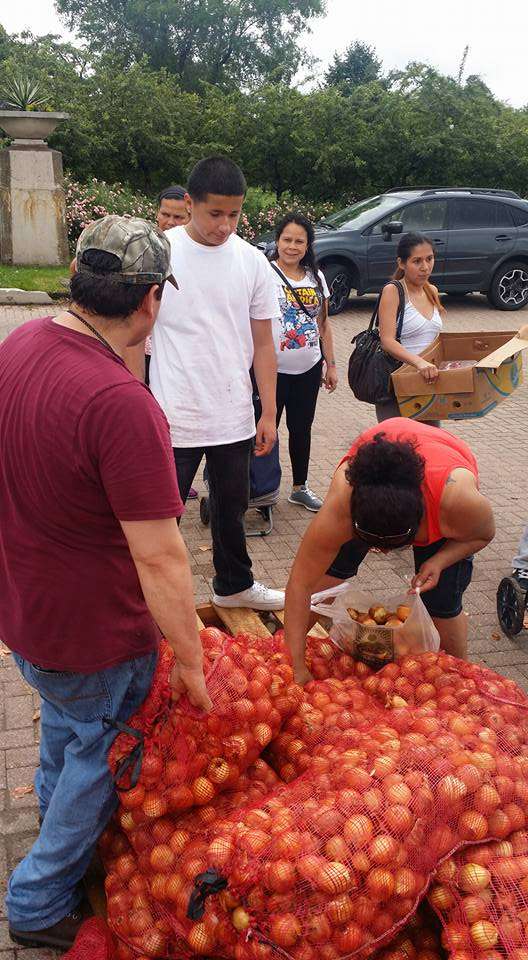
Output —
(189, 758)
(481, 897)
(378, 779)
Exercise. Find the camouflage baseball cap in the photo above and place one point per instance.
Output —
(142, 248)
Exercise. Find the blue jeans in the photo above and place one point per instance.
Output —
(74, 785)
(520, 562)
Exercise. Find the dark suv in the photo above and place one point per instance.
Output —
(480, 235)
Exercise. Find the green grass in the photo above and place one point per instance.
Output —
(34, 278)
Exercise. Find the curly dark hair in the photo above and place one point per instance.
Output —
(386, 478)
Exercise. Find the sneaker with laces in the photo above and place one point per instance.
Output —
(521, 576)
(61, 935)
(306, 498)
(257, 597)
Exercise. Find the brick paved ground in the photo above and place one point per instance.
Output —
(499, 441)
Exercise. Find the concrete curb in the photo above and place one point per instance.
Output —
(14, 295)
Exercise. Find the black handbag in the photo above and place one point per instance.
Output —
(369, 366)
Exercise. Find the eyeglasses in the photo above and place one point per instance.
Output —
(390, 542)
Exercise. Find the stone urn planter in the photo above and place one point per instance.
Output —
(30, 127)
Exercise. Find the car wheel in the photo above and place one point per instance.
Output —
(509, 287)
(339, 280)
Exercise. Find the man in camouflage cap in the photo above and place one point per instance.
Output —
(141, 247)
(92, 564)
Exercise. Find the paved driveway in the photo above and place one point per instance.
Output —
(500, 442)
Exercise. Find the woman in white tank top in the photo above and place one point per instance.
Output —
(422, 321)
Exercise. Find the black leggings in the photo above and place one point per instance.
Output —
(298, 392)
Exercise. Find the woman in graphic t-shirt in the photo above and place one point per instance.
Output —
(422, 321)
(300, 331)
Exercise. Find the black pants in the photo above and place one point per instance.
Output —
(228, 477)
(298, 394)
(443, 601)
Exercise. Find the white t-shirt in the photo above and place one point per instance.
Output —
(202, 346)
(296, 335)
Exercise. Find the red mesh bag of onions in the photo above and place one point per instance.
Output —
(419, 939)
(172, 757)
(94, 941)
(151, 875)
(383, 777)
(481, 897)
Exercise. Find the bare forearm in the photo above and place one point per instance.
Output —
(265, 367)
(168, 590)
(455, 550)
(395, 349)
(327, 341)
(297, 620)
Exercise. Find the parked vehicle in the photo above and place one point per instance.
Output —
(480, 235)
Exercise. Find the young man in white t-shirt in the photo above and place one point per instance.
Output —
(206, 339)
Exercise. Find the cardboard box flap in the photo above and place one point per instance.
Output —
(498, 356)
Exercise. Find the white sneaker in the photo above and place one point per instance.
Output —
(257, 597)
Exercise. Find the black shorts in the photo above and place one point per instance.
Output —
(443, 601)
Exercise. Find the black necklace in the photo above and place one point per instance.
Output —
(94, 331)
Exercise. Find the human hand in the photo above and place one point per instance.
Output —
(190, 681)
(266, 435)
(523, 332)
(428, 575)
(428, 370)
(330, 378)
(301, 674)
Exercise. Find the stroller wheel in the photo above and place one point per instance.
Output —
(205, 514)
(511, 604)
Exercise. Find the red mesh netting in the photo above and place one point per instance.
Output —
(481, 897)
(419, 939)
(190, 758)
(383, 776)
(94, 941)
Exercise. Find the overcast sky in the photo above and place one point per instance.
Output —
(400, 31)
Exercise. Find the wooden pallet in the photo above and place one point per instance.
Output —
(243, 620)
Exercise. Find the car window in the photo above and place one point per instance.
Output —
(477, 213)
(361, 214)
(423, 216)
(520, 215)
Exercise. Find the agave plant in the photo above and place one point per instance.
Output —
(22, 93)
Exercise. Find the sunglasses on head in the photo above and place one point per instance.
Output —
(390, 542)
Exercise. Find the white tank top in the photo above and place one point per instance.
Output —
(417, 331)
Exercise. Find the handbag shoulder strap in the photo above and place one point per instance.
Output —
(374, 321)
(292, 290)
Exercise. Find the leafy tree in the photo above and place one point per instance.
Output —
(358, 65)
(230, 43)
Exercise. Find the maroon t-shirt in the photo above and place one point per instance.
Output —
(83, 445)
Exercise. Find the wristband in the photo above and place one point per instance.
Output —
(330, 363)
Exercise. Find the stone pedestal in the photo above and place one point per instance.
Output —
(32, 206)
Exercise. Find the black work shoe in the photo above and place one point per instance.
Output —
(61, 934)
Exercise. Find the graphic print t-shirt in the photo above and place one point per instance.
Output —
(296, 334)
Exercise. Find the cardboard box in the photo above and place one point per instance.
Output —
(466, 392)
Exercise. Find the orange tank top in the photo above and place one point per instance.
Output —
(442, 453)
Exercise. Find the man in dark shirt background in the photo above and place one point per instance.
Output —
(92, 564)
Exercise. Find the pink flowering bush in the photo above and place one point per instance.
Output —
(262, 212)
(96, 198)
(89, 201)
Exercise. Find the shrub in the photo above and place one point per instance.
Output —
(89, 201)
(96, 198)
